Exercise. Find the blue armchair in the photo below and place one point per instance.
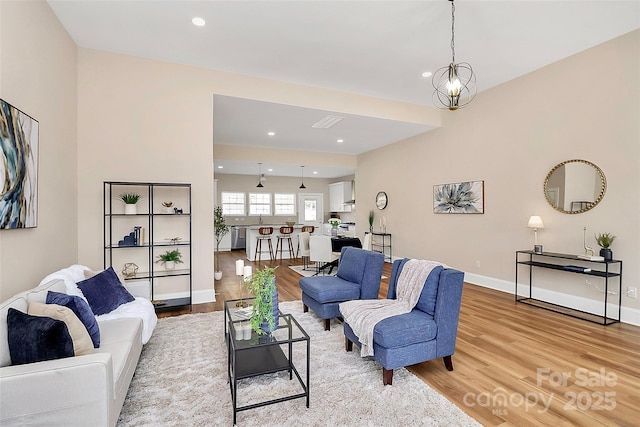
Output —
(427, 332)
(358, 277)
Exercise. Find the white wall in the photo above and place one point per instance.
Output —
(38, 76)
(511, 136)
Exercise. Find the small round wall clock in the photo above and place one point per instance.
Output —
(381, 200)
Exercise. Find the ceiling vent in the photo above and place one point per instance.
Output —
(327, 122)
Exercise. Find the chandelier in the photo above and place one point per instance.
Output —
(455, 84)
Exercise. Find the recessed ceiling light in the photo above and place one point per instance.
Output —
(220, 167)
(340, 141)
(198, 22)
(270, 170)
(315, 172)
(271, 133)
(427, 74)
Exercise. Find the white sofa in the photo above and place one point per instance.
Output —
(87, 390)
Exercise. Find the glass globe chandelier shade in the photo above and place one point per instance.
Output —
(455, 84)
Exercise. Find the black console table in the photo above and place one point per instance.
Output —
(606, 271)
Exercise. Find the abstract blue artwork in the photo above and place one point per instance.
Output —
(462, 197)
(18, 168)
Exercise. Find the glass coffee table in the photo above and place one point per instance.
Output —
(250, 354)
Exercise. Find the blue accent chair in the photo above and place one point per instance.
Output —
(428, 332)
(358, 277)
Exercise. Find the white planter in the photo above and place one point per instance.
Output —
(217, 275)
(169, 265)
(130, 209)
(167, 209)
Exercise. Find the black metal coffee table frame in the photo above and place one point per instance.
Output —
(264, 354)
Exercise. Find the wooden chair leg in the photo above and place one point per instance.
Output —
(327, 324)
(387, 376)
(348, 345)
(448, 363)
(305, 309)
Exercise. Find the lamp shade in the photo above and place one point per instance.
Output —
(535, 222)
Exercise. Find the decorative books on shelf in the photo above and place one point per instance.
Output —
(577, 268)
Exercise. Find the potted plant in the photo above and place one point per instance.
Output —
(371, 216)
(221, 230)
(335, 222)
(170, 259)
(605, 240)
(262, 284)
(130, 200)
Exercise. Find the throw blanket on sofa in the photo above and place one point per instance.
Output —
(363, 315)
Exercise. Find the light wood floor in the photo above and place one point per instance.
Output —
(514, 365)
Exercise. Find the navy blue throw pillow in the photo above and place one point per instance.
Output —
(104, 292)
(81, 309)
(35, 338)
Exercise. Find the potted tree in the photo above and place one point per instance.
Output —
(221, 230)
(130, 200)
(170, 259)
(605, 240)
(262, 284)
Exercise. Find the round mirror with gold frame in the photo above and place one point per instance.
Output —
(575, 186)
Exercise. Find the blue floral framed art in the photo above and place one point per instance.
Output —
(18, 168)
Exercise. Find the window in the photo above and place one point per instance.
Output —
(259, 203)
(284, 204)
(233, 204)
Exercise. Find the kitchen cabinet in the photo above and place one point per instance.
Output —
(339, 194)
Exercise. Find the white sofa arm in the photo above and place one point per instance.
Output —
(70, 391)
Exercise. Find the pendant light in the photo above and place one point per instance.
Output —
(455, 85)
(302, 177)
(260, 176)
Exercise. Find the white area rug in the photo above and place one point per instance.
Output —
(181, 380)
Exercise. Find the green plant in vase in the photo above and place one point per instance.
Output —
(371, 217)
(170, 258)
(221, 229)
(262, 284)
(130, 200)
(605, 240)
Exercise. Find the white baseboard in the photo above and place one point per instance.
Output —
(627, 315)
(198, 297)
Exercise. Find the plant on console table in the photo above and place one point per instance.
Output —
(170, 259)
(221, 229)
(605, 240)
(262, 284)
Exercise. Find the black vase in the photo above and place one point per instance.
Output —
(607, 254)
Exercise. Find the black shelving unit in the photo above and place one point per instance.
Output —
(606, 270)
(381, 242)
(155, 223)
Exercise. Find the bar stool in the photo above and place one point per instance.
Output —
(264, 233)
(305, 228)
(285, 234)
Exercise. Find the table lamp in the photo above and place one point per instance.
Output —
(535, 222)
